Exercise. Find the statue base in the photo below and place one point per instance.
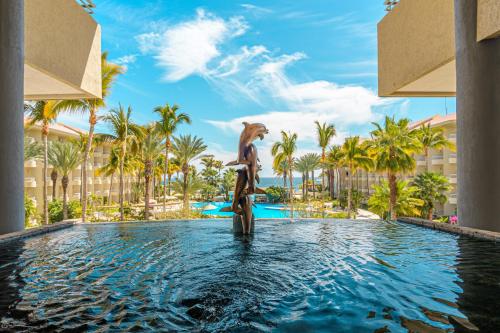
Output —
(238, 227)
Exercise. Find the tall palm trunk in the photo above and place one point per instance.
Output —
(307, 184)
(313, 184)
(92, 122)
(147, 176)
(290, 163)
(64, 182)
(323, 157)
(165, 172)
(169, 179)
(393, 195)
(153, 192)
(53, 177)
(120, 195)
(110, 189)
(303, 186)
(285, 186)
(331, 182)
(185, 198)
(44, 173)
(426, 154)
(349, 193)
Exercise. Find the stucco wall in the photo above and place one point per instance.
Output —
(62, 51)
(488, 19)
(415, 39)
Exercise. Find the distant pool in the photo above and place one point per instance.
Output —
(261, 210)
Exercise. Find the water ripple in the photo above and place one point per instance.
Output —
(304, 276)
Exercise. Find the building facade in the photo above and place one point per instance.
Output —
(98, 185)
(443, 161)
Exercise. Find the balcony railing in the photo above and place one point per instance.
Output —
(30, 164)
(452, 178)
(437, 159)
(30, 182)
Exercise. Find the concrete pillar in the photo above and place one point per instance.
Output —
(11, 115)
(478, 122)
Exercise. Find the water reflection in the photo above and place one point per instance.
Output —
(317, 276)
(478, 267)
(11, 283)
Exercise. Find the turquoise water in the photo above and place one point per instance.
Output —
(198, 276)
(260, 210)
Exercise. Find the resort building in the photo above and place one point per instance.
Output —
(434, 48)
(98, 185)
(48, 50)
(440, 161)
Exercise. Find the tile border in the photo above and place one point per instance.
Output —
(36, 231)
(453, 228)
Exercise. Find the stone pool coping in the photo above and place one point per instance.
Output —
(453, 228)
(36, 231)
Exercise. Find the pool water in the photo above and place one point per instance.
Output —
(260, 210)
(302, 276)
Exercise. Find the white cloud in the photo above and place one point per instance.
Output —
(188, 47)
(256, 9)
(125, 60)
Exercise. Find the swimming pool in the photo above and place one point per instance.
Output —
(305, 276)
(260, 210)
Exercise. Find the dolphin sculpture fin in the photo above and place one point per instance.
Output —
(245, 162)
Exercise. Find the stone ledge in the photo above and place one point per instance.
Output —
(454, 229)
(36, 231)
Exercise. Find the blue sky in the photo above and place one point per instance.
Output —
(283, 63)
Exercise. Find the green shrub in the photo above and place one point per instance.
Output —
(29, 211)
(56, 210)
(275, 194)
(356, 198)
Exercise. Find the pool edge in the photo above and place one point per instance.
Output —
(453, 229)
(36, 231)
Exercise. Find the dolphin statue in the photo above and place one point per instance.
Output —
(248, 135)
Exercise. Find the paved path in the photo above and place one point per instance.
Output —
(366, 215)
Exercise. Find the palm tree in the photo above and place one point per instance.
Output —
(281, 170)
(173, 168)
(407, 203)
(44, 112)
(166, 126)
(432, 188)
(151, 147)
(283, 151)
(189, 185)
(32, 150)
(187, 149)
(302, 167)
(228, 181)
(432, 138)
(109, 169)
(123, 133)
(64, 157)
(354, 156)
(334, 159)
(325, 135)
(313, 162)
(109, 73)
(392, 148)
